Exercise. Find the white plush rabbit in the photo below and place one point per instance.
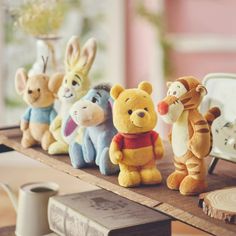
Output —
(75, 85)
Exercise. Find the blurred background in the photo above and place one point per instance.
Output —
(155, 40)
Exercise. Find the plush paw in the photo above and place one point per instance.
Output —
(151, 176)
(47, 140)
(190, 186)
(56, 124)
(26, 143)
(196, 151)
(106, 167)
(129, 178)
(58, 148)
(44, 146)
(24, 125)
(76, 156)
(159, 152)
(116, 157)
(27, 140)
(174, 180)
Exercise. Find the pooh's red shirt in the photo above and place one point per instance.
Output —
(137, 148)
(134, 141)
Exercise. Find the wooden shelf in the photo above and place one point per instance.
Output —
(7, 231)
(180, 207)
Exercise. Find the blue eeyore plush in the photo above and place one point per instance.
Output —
(94, 113)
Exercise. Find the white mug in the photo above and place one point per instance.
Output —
(32, 207)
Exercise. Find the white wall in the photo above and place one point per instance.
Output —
(2, 110)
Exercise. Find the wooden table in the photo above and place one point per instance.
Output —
(160, 198)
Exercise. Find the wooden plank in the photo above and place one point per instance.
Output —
(195, 221)
(7, 231)
(159, 197)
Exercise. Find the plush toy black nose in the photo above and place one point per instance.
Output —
(84, 107)
(30, 91)
(141, 114)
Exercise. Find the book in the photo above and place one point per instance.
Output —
(103, 213)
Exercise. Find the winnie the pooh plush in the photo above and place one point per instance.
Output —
(136, 147)
(39, 92)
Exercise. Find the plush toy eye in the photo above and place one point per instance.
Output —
(130, 111)
(146, 109)
(226, 141)
(74, 83)
(228, 124)
(38, 89)
(174, 93)
(94, 100)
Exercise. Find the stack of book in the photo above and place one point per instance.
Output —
(102, 213)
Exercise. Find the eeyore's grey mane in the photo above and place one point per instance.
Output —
(104, 86)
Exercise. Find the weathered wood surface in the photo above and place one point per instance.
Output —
(220, 204)
(159, 197)
(7, 231)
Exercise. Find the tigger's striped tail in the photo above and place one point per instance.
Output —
(210, 116)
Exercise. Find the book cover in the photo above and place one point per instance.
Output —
(101, 213)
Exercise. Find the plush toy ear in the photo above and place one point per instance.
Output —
(110, 103)
(70, 126)
(87, 56)
(72, 53)
(55, 82)
(201, 89)
(21, 78)
(168, 84)
(116, 90)
(145, 86)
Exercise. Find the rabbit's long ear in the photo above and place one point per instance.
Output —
(21, 78)
(87, 56)
(72, 53)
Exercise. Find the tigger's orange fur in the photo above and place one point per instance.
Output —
(191, 136)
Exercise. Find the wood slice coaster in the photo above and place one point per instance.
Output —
(220, 204)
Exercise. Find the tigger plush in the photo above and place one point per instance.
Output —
(191, 136)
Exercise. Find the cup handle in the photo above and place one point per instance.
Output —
(10, 194)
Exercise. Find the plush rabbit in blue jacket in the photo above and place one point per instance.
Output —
(94, 112)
